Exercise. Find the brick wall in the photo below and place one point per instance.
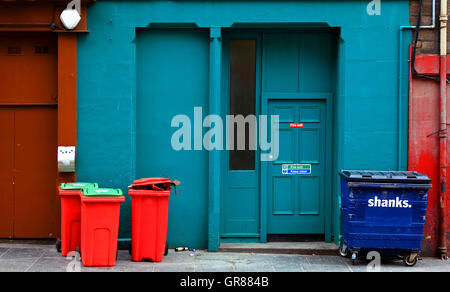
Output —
(428, 42)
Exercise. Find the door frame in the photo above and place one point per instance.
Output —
(263, 99)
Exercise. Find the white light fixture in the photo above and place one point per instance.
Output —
(71, 16)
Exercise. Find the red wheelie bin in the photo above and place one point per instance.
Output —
(71, 216)
(100, 212)
(149, 216)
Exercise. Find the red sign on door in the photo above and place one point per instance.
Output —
(296, 125)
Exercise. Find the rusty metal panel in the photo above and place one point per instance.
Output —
(28, 68)
(6, 171)
(35, 172)
(424, 148)
(429, 64)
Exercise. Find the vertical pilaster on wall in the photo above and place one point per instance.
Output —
(67, 100)
(339, 133)
(215, 67)
(67, 89)
(67, 95)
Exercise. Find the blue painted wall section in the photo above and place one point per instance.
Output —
(166, 87)
(368, 132)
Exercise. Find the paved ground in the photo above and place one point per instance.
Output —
(44, 258)
(299, 248)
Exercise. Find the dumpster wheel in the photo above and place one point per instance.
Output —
(354, 258)
(58, 245)
(410, 260)
(343, 249)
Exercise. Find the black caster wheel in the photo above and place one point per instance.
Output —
(343, 250)
(129, 248)
(58, 245)
(166, 249)
(409, 260)
(354, 259)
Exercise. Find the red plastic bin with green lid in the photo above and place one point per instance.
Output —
(100, 212)
(71, 215)
(149, 216)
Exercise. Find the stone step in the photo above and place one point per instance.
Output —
(302, 248)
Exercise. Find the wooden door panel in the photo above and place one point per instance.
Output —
(6, 171)
(35, 176)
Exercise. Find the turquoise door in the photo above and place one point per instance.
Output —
(296, 200)
(240, 200)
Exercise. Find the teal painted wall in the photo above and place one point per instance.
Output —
(370, 120)
(166, 87)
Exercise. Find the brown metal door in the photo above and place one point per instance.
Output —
(28, 135)
(35, 172)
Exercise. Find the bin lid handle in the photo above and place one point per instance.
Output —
(154, 182)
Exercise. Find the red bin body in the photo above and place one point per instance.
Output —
(99, 230)
(149, 216)
(70, 220)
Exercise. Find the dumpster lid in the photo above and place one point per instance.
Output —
(385, 176)
(78, 186)
(102, 192)
(154, 183)
(150, 181)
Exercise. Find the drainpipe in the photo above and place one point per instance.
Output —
(433, 18)
(443, 127)
(410, 109)
(399, 82)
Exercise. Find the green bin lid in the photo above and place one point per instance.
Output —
(102, 192)
(78, 186)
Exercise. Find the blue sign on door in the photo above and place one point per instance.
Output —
(296, 169)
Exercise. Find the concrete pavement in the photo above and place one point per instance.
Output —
(23, 257)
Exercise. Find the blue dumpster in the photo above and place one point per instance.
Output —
(383, 211)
